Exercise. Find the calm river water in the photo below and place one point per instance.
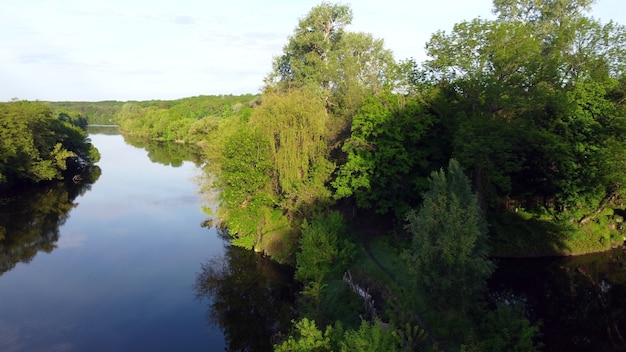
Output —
(580, 301)
(127, 266)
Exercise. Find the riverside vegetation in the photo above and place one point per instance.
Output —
(39, 145)
(508, 141)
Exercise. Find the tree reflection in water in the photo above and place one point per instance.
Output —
(167, 153)
(580, 300)
(30, 217)
(251, 298)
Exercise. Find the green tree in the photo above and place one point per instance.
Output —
(505, 329)
(389, 154)
(294, 125)
(449, 251)
(533, 104)
(306, 57)
(541, 13)
(308, 338)
(36, 145)
(324, 253)
(245, 184)
(362, 68)
(369, 337)
(341, 67)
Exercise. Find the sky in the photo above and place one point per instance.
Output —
(94, 50)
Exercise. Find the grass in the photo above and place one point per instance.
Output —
(381, 267)
(521, 235)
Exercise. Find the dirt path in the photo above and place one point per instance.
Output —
(366, 237)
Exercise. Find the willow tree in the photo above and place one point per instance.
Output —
(295, 126)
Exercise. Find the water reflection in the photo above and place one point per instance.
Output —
(122, 275)
(251, 298)
(109, 130)
(30, 218)
(167, 153)
(579, 300)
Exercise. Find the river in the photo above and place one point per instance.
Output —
(579, 301)
(125, 264)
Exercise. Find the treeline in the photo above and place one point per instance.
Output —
(530, 104)
(36, 144)
(190, 120)
(526, 113)
(96, 113)
(530, 108)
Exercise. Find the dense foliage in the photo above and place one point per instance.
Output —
(368, 337)
(536, 102)
(531, 105)
(449, 246)
(96, 113)
(37, 145)
(192, 120)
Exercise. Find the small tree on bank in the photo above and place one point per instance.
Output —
(449, 250)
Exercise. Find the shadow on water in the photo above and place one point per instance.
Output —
(579, 300)
(251, 298)
(30, 217)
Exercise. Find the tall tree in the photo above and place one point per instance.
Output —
(342, 67)
(306, 57)
(450, 242)
(246, 188)
(294, 125)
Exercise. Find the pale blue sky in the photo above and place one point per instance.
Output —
(168, 49)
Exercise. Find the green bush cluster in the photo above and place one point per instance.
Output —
(36, 145)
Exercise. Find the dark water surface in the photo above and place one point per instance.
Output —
(580, 301)
(118, 274)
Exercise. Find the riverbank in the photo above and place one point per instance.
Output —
(516, 236)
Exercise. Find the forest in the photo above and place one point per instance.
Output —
(403, 177)
(39, 144)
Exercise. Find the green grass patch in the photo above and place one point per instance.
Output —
(388, 252)
(382, 269)
(518, 235)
